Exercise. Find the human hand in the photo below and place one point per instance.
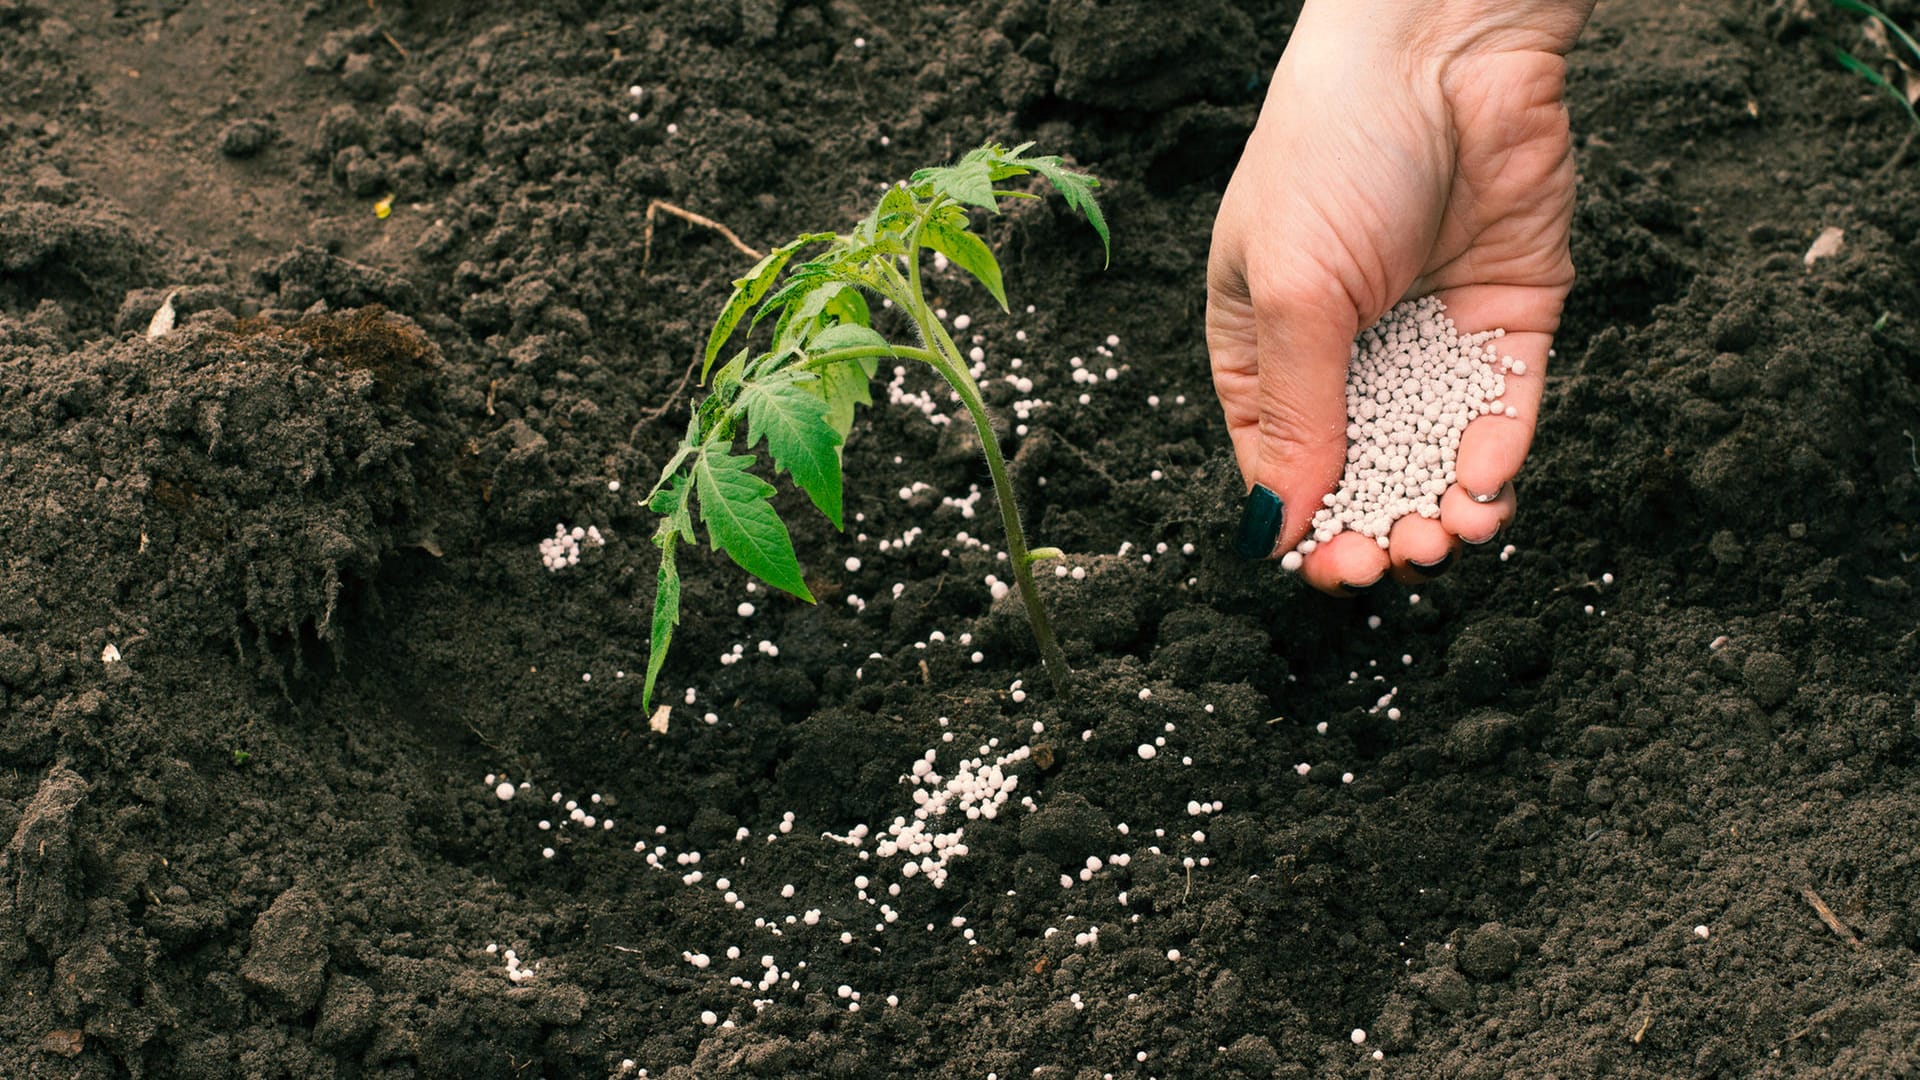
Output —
(1406, 147)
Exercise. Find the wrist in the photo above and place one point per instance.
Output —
(1445, 30)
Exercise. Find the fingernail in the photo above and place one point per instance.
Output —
(1433, 567)
(1486, 539)
(1259, 524)
(1364, 590)
(1482, 498)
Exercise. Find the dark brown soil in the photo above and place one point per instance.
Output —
(261, 842)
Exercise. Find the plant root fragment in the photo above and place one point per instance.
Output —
(654, 210)
(659, 206)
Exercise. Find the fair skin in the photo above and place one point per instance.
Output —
(1406, 147)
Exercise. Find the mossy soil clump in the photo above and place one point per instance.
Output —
(272, 608)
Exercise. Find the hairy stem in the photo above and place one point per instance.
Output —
(1017, 554)
(953, 367)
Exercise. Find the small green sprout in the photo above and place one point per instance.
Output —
(1867, 71)
(798, 396)
(240, 758)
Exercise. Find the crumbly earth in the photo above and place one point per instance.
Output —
(260, 842)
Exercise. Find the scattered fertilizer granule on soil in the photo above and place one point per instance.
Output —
(562, 549)
(1413, 384)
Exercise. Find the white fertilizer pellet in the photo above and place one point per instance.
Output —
(1413, 384)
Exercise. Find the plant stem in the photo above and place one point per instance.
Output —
(861, 352)
(952, 367)
(1051, 654)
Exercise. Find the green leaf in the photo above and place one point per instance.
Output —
(666, 614)
(670, 494)
(968, 252)
(676, 524)
(1077, 189)
(895, 209)
(952, 214)
(847, 305)
(672, 503)
(835, 300)
(846, 336)
(843, 386)
(730, 371)
(770, 362)
(845, 266)
(748, 290)
(969, 181)
(840, 264)
(839, 299)
(1877, 79)
(802, 442)
(1872, 12)
(801, 283)
(741, 522)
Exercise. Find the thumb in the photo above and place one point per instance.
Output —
(1280, 351)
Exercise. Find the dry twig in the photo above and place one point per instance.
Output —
(1827, 916)
(375, 8)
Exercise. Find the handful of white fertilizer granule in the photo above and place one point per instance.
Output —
(1413, 384)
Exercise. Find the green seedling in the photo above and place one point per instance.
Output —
(799, 394)
(1867, 71)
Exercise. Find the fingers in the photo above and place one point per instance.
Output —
(1305, 343)
(1345, 564)
(1494, 446)
(1421, 548)
(1234, 347)
(1476, 522)
(1280, 357)
(1287, 416)
(1418, 549)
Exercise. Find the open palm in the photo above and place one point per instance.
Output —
(1359, 189)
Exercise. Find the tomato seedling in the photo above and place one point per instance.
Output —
(798, 395)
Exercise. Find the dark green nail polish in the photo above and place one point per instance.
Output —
(1259, 524)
